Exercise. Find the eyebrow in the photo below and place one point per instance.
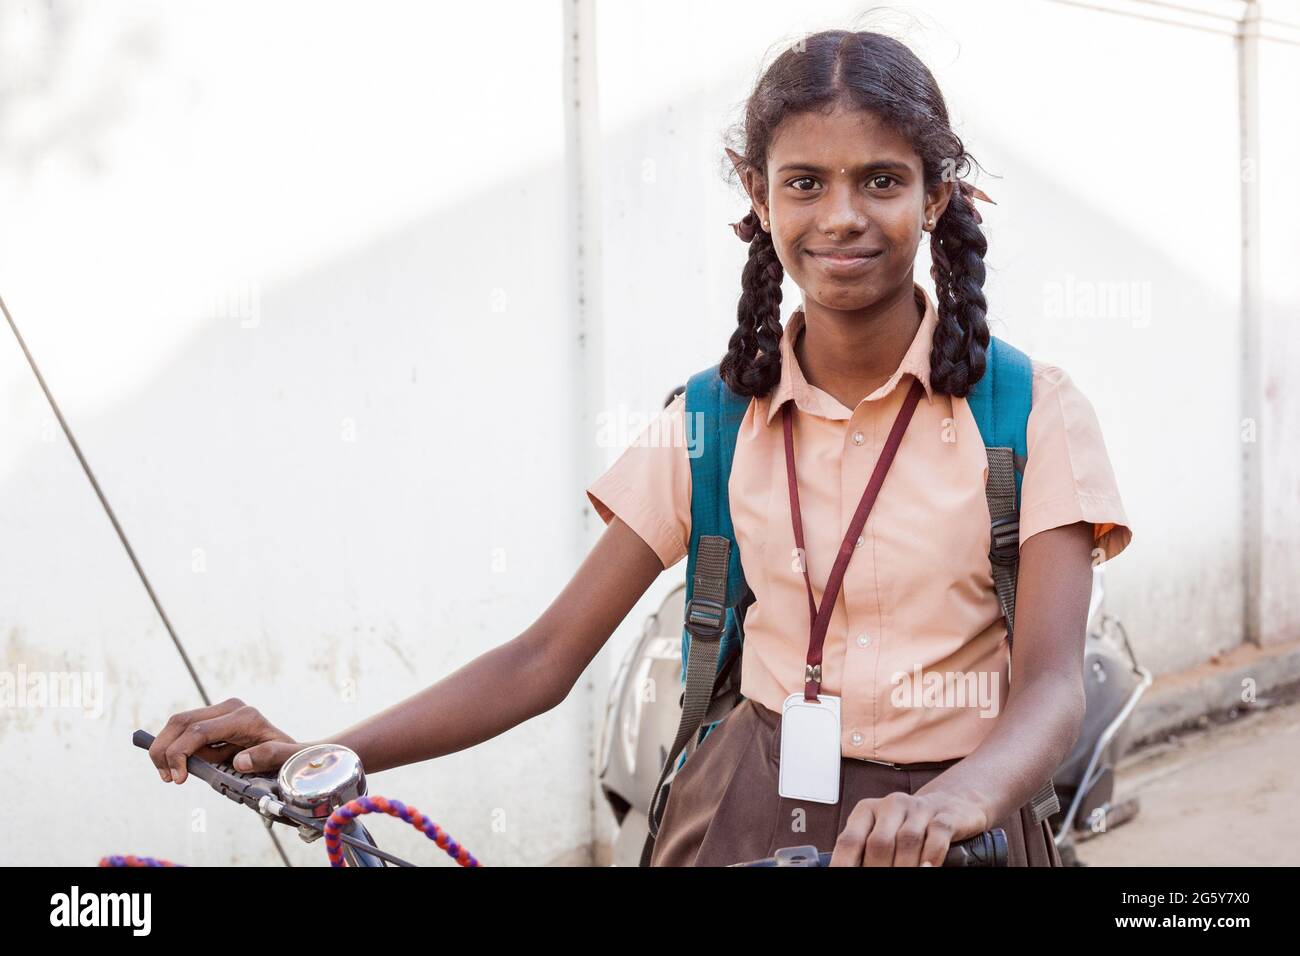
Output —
(881, 165)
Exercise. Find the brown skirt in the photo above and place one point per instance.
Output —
(723, 806)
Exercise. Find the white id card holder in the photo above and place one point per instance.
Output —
(810, 749)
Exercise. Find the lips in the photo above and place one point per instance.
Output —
(855, 252)
(846, 261)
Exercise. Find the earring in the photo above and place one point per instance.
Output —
(764, 223)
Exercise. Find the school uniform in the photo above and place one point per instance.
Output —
(917, 606)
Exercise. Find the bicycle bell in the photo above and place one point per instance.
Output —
(320, 778)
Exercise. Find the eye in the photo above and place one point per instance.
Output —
(886, 176)
(802, 179)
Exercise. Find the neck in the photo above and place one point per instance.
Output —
(851, 354)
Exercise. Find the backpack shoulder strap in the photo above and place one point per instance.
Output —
(717, 413)
(713, 416)
(1001, 401)
(715, 582)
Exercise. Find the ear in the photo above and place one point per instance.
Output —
(936, 201)
(753, 181)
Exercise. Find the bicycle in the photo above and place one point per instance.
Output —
(321, 791)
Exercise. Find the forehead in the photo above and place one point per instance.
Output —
(842, 136)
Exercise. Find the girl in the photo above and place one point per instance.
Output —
(847, 158)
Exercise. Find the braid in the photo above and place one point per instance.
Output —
(961, 338)
(758, 316)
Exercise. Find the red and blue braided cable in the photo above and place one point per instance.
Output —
(129, 860)
(345, 814)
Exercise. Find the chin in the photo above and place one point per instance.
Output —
(846, 298)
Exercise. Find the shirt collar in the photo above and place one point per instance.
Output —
(809, 398)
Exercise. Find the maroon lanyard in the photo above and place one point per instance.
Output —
(819, 620)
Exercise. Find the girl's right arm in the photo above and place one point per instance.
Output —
(499, 689)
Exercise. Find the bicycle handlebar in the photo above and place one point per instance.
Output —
(262, 794)
(984, 849)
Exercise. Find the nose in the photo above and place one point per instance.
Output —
(843, 213)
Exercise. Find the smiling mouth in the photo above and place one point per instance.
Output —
(848, 260)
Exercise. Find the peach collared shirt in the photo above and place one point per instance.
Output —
(917, 647)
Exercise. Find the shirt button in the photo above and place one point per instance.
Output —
(858, 438)
(856, 738)
(863, 640)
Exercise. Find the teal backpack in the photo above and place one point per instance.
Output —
(717, 596)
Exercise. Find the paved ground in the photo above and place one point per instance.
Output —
(1226, 795)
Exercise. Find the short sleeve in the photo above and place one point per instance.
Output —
(649, 485)
(1068, 476)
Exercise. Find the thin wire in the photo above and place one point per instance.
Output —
(108, 509)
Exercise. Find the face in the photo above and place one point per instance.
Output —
(846, 205)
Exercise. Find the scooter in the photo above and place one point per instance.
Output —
(1113, 683)
(639, 728)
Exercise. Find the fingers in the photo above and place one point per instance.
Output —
(910, 838)
(938, 838)
(265, 756)
(849, 844)
(233, 727)
(216, 752)
(177, 724)
(890, 816)
(214, 733)
(895, 830)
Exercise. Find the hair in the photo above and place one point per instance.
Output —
(873, 72)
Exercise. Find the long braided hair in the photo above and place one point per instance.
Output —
(874, 72)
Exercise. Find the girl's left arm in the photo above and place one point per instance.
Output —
(1044, 708)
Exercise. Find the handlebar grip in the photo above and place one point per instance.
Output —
(198, 767)
(984, 849)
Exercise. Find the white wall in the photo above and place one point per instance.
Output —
(236, 239)
(334, 300)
